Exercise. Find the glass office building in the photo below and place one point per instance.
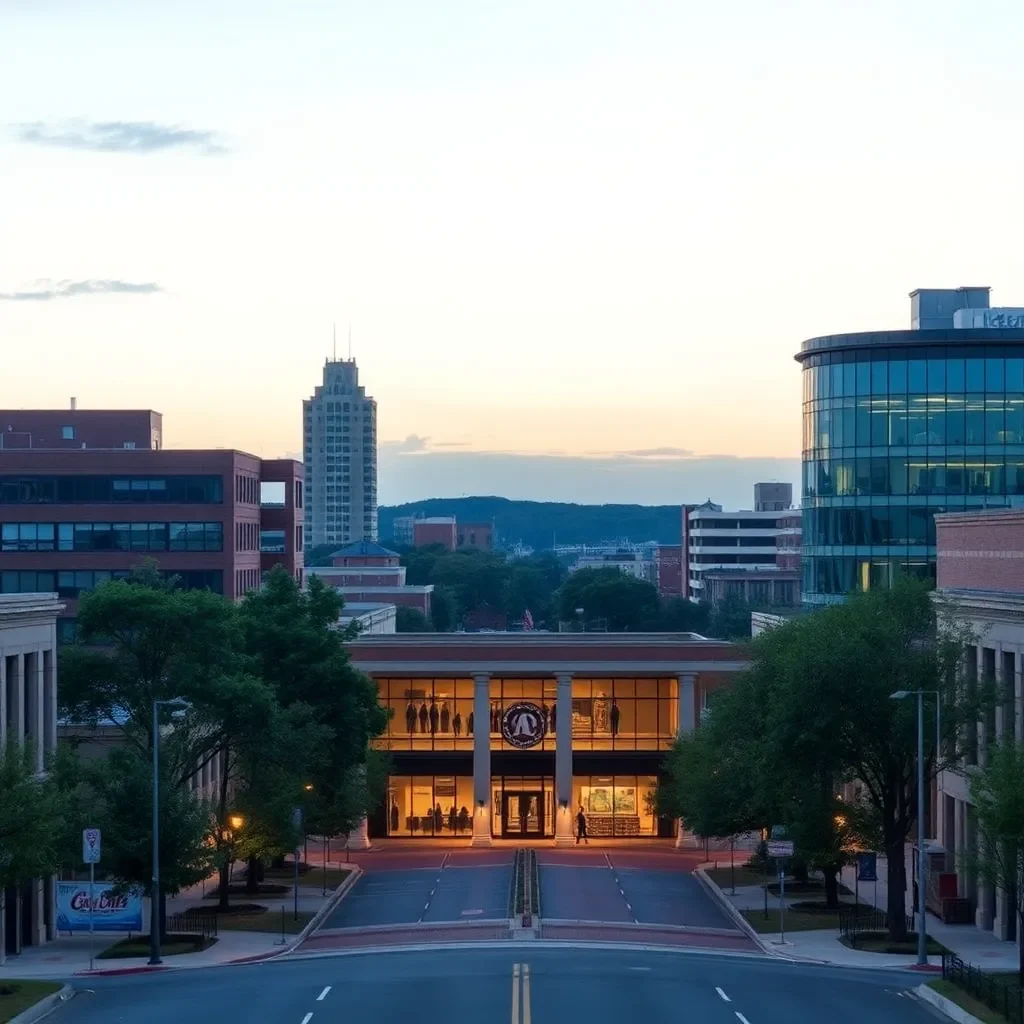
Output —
(898, 426)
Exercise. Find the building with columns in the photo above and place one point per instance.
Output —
(28, 714)
(980, 572)
(507, 735)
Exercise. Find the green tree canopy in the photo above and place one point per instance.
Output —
(625, 602)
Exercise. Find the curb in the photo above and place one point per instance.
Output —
(947, 1006)
(44, 1007)
(318, 919)
(335, 898)
(744, 925)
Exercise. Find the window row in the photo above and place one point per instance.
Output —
(112, 537)
(935, 372)
(842, 574)
(879, 525)
(41, 490)
(914, 474)
(917, 420)
(72, 583)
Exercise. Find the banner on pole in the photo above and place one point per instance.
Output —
(110, 913)
(867, 867)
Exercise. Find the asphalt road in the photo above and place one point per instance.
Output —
(525, 984)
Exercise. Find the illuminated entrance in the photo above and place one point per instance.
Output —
(522, 815)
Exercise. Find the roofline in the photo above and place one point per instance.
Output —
(910, 338)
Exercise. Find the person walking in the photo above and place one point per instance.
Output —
(581, 827)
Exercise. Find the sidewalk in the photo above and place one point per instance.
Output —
(68, 955)
(981, 948)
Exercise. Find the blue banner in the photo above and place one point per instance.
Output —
(867, 868)
(121, 912)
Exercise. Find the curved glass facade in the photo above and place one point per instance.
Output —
(894, 433)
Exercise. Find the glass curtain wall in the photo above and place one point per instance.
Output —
(617, 805)
(892, 436)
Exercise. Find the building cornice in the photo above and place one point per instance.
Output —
(17, 608)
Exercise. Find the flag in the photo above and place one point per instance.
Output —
(527, 619)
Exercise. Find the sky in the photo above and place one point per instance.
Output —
(577, 241)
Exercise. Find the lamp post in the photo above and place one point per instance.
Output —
(154, 890)
(922, 860)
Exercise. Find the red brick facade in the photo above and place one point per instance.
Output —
(69, 429)
(981, 550)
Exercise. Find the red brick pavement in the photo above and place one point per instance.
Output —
(400, 936)
(647, 935)
(404, 859)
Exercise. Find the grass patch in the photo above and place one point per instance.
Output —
(17, 996)
(796, 921)
(879, 942)
(722, 877)
(263, 889)
(966, 1002)
(264, 921)
(315, 878)
(174, 945)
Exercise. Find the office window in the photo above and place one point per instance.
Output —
(272, 541)
(67, 433)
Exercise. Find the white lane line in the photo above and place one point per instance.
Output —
(323, 995)
(307, 1018)
(437, 882)
(743, 1020)
(722, 994)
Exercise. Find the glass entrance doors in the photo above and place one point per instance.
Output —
(523, 814)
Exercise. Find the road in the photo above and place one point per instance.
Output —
(518, 984)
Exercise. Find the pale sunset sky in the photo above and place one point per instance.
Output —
(578, 241)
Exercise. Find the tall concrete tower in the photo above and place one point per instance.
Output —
(340, 454)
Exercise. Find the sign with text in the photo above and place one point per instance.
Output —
(120, 912)
(90, 845)
(780, 848)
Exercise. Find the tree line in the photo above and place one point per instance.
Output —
(809, 738)
(268, 697)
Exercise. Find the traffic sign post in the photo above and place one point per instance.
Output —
(780, 849)
(91, 847)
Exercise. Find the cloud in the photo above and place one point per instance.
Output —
(46, 291)
(667, 452)
(119, 136)
(411, 445)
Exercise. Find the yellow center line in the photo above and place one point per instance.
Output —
(515, 994)
(526, 994)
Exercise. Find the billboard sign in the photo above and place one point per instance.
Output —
(120, 912)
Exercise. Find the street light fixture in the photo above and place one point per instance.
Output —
(236, 821)
(154, 892)
(922, 860)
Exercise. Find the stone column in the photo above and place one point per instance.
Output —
(686, 716)
(359, 837)
(17, 687)
(3, 705)
(50, 704)
(38, 698)
(564, 811)
(482, 759)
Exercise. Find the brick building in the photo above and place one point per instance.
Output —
(71, 518)
(474, 536)
(668, 570)
(980, 571)
(441, 530)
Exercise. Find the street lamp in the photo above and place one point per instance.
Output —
(922, 860)
(154, 892)
(236, 821)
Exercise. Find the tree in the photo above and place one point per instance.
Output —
(997, 793)
(730, 618)
(411, 620)
(120, 788)
(831, 675)
(31, 810)
(319, 554)
(679, 615)
(625, 602)
(293, 643)
(444, 615)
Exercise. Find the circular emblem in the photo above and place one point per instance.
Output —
(523, 725)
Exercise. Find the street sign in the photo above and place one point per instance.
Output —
(780, 848)
(90, 846)
(867, 867)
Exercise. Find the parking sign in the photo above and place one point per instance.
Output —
(90, 845)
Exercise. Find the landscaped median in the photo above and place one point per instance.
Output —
(968, 994)
(21, 997)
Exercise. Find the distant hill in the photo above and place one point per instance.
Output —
(540, 523)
